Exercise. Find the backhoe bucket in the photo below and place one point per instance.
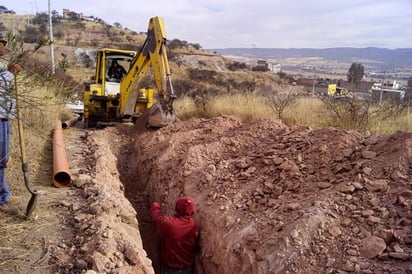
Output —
(158, 117)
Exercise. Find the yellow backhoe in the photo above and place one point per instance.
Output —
(336, 90)
(115, 93)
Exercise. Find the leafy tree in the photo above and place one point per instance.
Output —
(98, 20)
(176, 43)
(196, 46)
(55, 13)
(236, 66)
(355, 74)
(117, 25)
(56, 18)
(41, 18)
(31, 35)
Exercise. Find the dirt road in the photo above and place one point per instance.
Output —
(270, 199)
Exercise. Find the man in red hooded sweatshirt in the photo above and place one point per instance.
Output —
(180, 234)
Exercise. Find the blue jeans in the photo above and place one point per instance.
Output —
(4, 157)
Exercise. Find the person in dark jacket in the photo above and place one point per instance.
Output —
(180, 235)
(116, 71)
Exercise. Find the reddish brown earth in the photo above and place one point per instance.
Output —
(270, 198)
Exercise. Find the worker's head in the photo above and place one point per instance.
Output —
(185, 206)
(114, 62)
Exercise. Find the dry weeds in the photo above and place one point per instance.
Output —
(39, 111)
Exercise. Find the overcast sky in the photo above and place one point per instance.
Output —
(254, 23)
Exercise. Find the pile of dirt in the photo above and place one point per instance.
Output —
(274, 199)
(270, 198)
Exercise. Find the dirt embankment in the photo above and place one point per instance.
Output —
(270, 199)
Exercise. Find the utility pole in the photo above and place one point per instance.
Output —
(51, 42)
(383, 83)
(351, 82)
(254, 54)
(313, 88)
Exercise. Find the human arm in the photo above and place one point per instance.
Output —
(111, 72)
(123, 70)
(160, 220)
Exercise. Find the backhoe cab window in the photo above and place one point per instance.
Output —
(116, 69)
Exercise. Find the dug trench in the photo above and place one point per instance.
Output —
(270, 198)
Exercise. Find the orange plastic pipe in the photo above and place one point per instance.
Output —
(61, 174)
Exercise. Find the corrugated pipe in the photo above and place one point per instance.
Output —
(70, 122)
(61, 174)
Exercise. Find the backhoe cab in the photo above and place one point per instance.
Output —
(111, 98)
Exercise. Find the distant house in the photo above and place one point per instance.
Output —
(261, 65)
(274, 67)
(68, 14)
(384, 92)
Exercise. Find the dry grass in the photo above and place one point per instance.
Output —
(246, 106)
(308, 111)
(39, 112)
(400, 122)
(186, 108)
(16, 22)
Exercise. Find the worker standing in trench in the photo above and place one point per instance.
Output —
(179, 236)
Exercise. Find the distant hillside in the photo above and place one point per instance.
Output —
(384, 57)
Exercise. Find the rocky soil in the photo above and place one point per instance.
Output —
(270, 198)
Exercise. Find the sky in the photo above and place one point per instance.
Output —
(215, 24)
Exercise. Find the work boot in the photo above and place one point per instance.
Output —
(14, 201)
(10, 209)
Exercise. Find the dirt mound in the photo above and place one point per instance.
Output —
(273, 199)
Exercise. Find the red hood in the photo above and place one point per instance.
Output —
(185, 206)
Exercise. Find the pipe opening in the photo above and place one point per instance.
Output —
(61, 179)
(71, 122)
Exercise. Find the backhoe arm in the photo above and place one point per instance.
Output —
(153, 54)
